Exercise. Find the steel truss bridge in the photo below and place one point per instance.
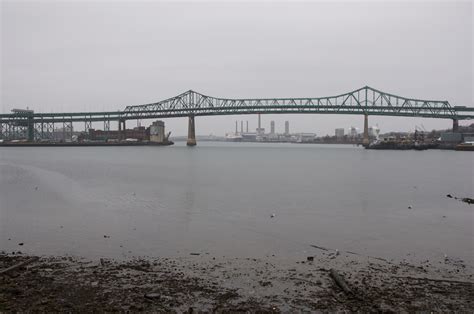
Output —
(363, 101)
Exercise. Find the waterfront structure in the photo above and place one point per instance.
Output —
(363, 101)
(139, 133)
(272, 127)
(287, 128)
(157, 132)
(339, 133)
(306, 137)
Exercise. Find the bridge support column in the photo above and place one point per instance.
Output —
(31, 129)
(365, 140)
(124, 130)
(455, 125)
(191, 132)
(121, 130)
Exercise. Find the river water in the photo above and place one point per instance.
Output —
(219, 198)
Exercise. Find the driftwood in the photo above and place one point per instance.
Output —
(28, 261)
(436, 280)
(340, 281)
(319, 247)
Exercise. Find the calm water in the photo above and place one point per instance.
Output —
(217, 198)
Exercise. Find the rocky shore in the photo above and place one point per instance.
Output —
(201, 282)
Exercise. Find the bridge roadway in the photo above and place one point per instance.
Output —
(363, 101)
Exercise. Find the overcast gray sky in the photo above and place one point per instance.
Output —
(104, 55)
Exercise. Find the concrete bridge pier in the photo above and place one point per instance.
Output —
(455, 125)
(191, 132)
(365, 140)
(121, 130)
(31, 129)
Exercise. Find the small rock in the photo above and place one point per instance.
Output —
(94, 284)
(272, 215)
(195, 253)
(21, 243)
(449, 195)
(310, 258)
(410, 207)
(106, 236)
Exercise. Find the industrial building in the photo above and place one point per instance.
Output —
(154, 133)
(339, 133)
(157, 132)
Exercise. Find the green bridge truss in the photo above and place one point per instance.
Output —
(363, 101)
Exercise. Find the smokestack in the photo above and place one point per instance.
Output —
(236, 130)
(247, 126)
(241, 127)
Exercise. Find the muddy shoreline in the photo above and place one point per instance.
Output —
(220, 284)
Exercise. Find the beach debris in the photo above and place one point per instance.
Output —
(310, 258)
(106, 236)
(410, 207)
(28, 261)
(339, 279)
(319, 247)
(272, 215)
(194, 253)
(152, 296)
(94, 284)
(468, 200)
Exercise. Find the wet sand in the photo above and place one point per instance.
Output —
(202, 282)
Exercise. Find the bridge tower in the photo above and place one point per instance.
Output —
(191, 132)
(365, 140)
